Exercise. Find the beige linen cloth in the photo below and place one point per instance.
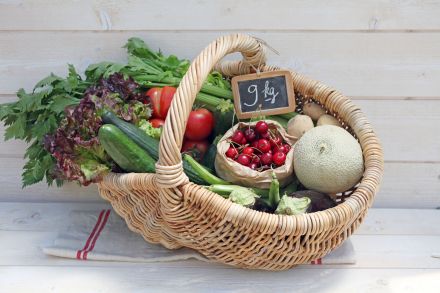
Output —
(104, 236)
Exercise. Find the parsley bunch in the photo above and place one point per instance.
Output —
(38, 113)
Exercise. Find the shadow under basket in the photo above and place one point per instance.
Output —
(166, 208)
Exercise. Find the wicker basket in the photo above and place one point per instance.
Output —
(166, 208)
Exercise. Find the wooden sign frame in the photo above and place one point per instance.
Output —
(262, 75)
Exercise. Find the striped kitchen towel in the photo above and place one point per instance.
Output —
(103, 235)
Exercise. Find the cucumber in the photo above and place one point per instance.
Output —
(149, 144)
(124, 151)
(146, 142)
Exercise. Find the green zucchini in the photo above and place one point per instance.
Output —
(124, 151)
(149, 144)
(203, 172)
(209, 158)
(223, 189)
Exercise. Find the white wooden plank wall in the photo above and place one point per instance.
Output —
(384, 54)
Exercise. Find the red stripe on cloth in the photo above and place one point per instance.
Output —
(319, 261)
(312, 262)
(107, 214)
(98, 222)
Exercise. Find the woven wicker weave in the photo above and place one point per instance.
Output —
(166, 208)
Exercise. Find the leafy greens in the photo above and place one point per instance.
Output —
(63, 145)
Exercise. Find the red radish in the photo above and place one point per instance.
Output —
(231, 153)
(263, 145)
(243, 159)
(238, 136)
(279, 158)
(253, 166)
(248, 151)
(250, 135)
(266, 159)
(261, 127)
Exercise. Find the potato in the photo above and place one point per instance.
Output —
(298, 125)
(313, 110)
(327, 119)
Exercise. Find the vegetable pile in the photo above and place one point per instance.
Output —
(80, 128)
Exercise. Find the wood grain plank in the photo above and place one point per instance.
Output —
(405, 185)
(358, 64)
(219, 15)
(42, 217)
(10, 180)
(372, 251)
(35, 225)
(50, 217)
(400, 124)
(409, 185)
(162, 278)
(407, 129)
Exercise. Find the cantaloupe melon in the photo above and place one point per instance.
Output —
(328, 159)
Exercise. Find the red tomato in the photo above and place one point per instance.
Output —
(200, 124)
(160, 99)
(156, 122)
(195, 149)
(154, 95)
(165, 100)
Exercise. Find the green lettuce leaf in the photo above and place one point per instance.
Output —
(146, 126)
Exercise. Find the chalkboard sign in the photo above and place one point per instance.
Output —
(265, 93)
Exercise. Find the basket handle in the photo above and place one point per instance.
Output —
(169, 167)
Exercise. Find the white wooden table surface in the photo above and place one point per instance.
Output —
(393, 254)
(383, 54)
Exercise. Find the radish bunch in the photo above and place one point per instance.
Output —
(258, 148)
